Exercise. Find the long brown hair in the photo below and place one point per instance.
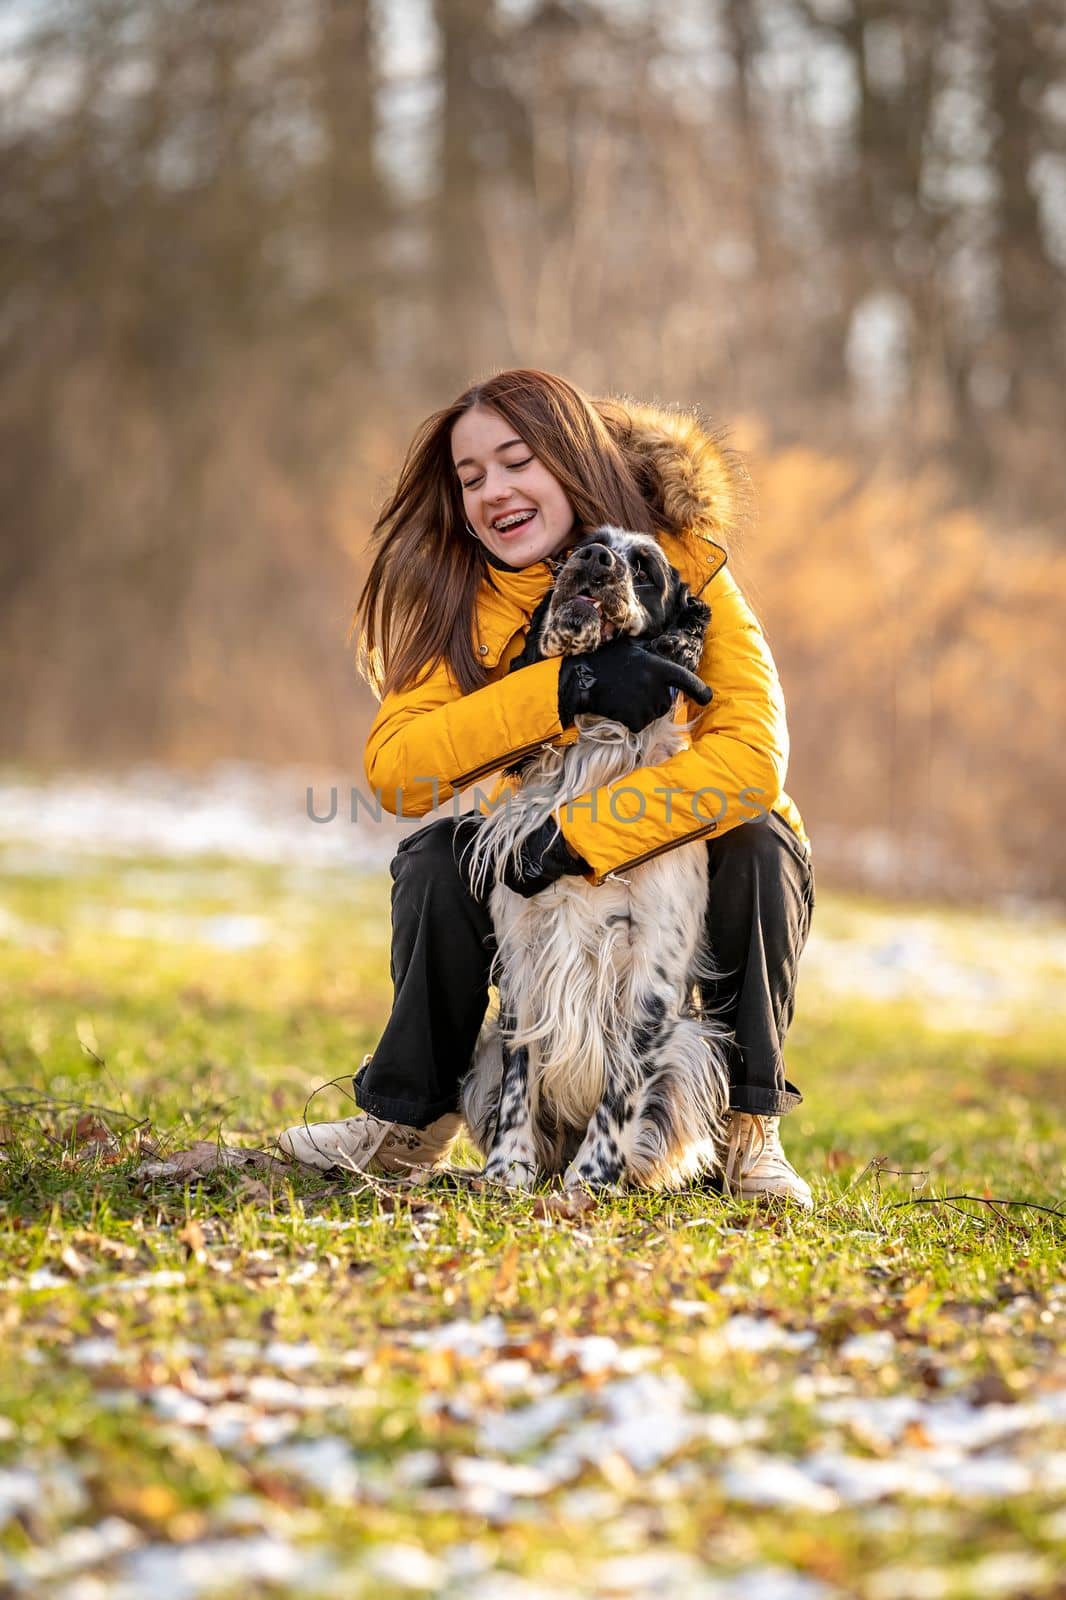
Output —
(417, 605)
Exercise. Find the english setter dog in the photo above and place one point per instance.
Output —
(597, 1065)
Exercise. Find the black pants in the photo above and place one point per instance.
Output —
(759, 906)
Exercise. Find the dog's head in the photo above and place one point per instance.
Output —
(615, 582)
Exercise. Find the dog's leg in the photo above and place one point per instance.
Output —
(599, 1162)
(672, 1137)
(512, 1160)
(603, 1158)
(658, 1125)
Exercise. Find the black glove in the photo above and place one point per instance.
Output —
(625, 682)
(543, 858)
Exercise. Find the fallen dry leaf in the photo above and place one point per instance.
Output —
(89, 1129)
(255, 1192)
(192, 1237)
(73, 1262)
(504, 1289)
(207, 1156)
(464, 1228)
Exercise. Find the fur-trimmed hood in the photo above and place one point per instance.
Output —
(685, 470)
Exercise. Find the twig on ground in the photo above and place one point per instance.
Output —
(38, 1102)
(874, 1169)
(992, 1201)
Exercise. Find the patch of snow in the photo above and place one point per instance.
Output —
(240, 811)
(163, 1279)
(596, 1352)
(462, 1337)
(100, 1353)
(293, 1357)
(80, 1548)
(949, 967)
(19, 1487)
(222, 932)
(757, 1334)
(508, 1586)
(874, 1348)
(773, 1583)
(511, 1376)
(647, 1422)
(57, 1486)
(654, 1572)
(950, 1423)
(416, 1469)
(758, 1479)
(327, 1464)
(503, 1477)
(860, 1480)
(302, 1272)
(184, 1571)
(727, 1432)
(512, 1432)
(42, 1278)
(280, 1394)
(406, 1567)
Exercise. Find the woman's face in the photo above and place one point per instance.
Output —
(515, 506)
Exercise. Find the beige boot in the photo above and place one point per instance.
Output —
(756, 1167)
(367, 1144)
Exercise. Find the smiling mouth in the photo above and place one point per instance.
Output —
(511, 524)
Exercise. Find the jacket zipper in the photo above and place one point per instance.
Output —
(499, 762)
(660, 849)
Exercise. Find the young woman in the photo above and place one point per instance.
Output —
(494, 491)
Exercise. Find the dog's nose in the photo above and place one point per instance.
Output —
(596, 558)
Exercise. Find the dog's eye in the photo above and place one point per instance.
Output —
(641, 575)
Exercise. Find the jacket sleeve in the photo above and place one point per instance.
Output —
(430, 742)
(733, 771)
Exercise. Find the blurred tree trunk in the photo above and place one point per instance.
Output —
(1025, 59)
(467, 330)
(353, 200)
(743, 30)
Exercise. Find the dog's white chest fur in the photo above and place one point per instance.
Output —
(596, 1064)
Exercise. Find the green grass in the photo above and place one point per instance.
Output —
(149, 1328)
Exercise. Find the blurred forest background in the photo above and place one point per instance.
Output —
(246, 245)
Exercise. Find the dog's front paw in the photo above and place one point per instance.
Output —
(592, 1175)
(573, 634)
(511, 1172)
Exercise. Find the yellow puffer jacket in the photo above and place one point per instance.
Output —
(431, 742)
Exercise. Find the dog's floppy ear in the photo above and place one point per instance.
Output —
(531, 650)
(686, 627)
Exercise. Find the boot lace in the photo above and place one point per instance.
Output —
(747, 1141)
